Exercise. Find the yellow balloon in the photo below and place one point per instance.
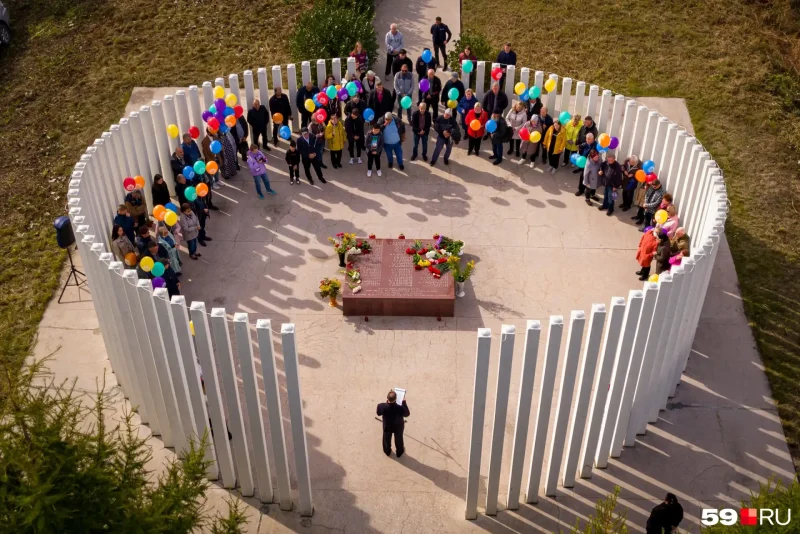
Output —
(661, 216)
(536, 137)
(191, 327)
(550, 85)
(172, 130)
(452, 104)
(171, 218)
(309, 105)
(219, 92)
(653, 278)
(146, 264)
(519, 88)
(230, 100)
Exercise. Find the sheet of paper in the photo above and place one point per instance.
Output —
(401, 394)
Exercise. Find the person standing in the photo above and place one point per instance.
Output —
(467, 55)
(380, 101)
(547, 121)
(498, 136)
(516, 118)
(477, 113)
(356, 102)
(137, 207)
(652, 200)
(421, 126)
(230, 165)
(401, 59)
(393, 416)
(447, 129)
(177, 161)
(317, 130)
(394, 132)
(441, 35)
(292, 159)
(209, 156)
(573, 128)
(368, 83)
(279, 103)
(432, 96)
(160, 191)
(591, 177)
(665, 517)
(167, 240)
(307, 146)
(374, 147)
(394, 43)
(240, 132)
(354, 129)
(453, 83)
(124, 220)
(505, 58)
(495, 99)
(190, 150)
(465, 105)
(586, 139)
(191, 229)
(121, 246)
(611, 179)
(554, 142)
(335, 136)
(533, 126)
(257, 162)
(362, 61)
(629, 183)
(422, 67)
(258, 119)
(648, 245)
(584, 149)
(403, 86)
(306, 92)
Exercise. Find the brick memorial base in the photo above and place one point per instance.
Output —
(391, 286)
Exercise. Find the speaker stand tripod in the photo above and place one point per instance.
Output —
(73, 274)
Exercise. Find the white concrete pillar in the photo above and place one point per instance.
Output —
(480, 74)
(291, 80)
(233, 88)
(658, 144)
(192, 372)
(642, 331)
(603, 116)
(524, 77)
(270, 375)
(577, 322)
(263, 89)
(196, 112)
(532, 334)
(566, 97)
(150, 147)
(142, 162)
(182, 106)
(208, 95)
(336, 69)
(690, 149)
(698, 175)
(507, 334)
(675, 176)
(619, 373)
(615, 124)
(649, 138)
(117, 157)
(626, 133)
(671, 352)
(276, 77)
(706, 271)
(580, 96)
(511, 71)
(129, 147)
(249, 91)
(163, 144)
(219, 82)
(125, 167)
(351, 67)
(478, 416)
(538, 80)
(170, 117)
(585, 375)
(258, 443)
(305, 503)
(540, 430)
(665, 155)
(465, 75)
(550, 99)
(713, 181)
(321, 75)
(637, 140)
(112, 193)
(591, 106)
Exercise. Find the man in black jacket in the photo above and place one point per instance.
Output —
(380, 100)
(441, 35)
(309, 152)
(239, 132)
(446, 127)
(611, 179)
(356, 102)
(258, 119)
(495, 99)
(401, 59)
(354, 129)
(279, 103)
(432, 96)
(421, 68)
(421, 126)
(499, 136)
(304, 93)
(453, 83)
(393, 415)
(178, 161)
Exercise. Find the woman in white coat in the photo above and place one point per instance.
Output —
(516, 118)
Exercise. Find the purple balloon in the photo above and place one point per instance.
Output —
(207, 115)
(159, 282)
(220, 115)
(614, 143)
(342, 94)
(220, 103)
(358, 85)
(424, 85)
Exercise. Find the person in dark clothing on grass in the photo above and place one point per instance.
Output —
(393, 415)
(506, 57)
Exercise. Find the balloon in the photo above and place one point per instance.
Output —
(158, 269)
(550, 85)
(158, 282)
(604, 140)
(602, 149)
(230, 121)
(315, 99)
(641, 176)
(524, 96)
(338, 87)
(320, 116)
(129, 184)
(194, 131)
(424, 85)
(661, 216)
(649, 166)
(277, 118)
(524, 134)
(139, 180)
(211, 168)
(171, 218)
(519, 88)
(238, 111)
(427, 56)
(466, 66)
(130, 259)
(207, 115)
(229, 111)
(172, 130)
(491, 126)
(581, 162)
(536, 137)
(231, 99)
(573, 158)
(653, 278)
(220, 103)
(190, 193)
(497, 73)
(187, 172)
(331, 91)
(159, 211)
(220, 115)
(452, 104)
(172, 207)
(216, 147)
(223, 128)
(212, 109)
(191, 327)
(342, 94)
(534, 92)
(452, 94)
(146, 264)
(405, 102)
(309, 105)
(358, 85)
(475, 125)
(199, 167)
(351, 88)
(369, 114)
(651, 178)
(202, 190)
(219, 92)
(213, 123)
(322, 98)
(614, 143)
(285, 132)
(564, 117)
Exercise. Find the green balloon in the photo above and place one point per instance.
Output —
(190, 193)
(453, 94)
(331, 92)
(405, 102)
(581, 162)
(466, 66)
(158, 269)
(352, 88)
(534, 92)
(199, 167)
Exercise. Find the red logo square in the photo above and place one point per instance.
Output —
(748, 517)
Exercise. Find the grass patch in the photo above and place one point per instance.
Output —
(736, 64)
(66, 78)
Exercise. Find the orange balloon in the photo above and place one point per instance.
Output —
(641, 176)
(159, 212)
(139, 181)
(130, 259)
(201, 190)
(230, 120)
(212, 167)
(277, 118)
(604, 140)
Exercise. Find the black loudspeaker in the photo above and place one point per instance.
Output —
(65, 238)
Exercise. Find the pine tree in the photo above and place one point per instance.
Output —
(605, 520)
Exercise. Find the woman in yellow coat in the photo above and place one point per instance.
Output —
(573, 127)
(335, 135)
(554, 142)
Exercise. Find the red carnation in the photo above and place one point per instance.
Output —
(358, 244)
(441, 260)
(409, 251)
(401, 236)
(350, 265)
(417, 267)
(340, 234)
(436, 236)
(423, 251)
(435, 270)
(431, 268)
(372, 236)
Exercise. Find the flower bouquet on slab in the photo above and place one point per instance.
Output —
(460, 275)
(330, 288)
(452, 246)
(342, 243)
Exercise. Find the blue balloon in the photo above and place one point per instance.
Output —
(369, 114)
(427, 56)
(216, 146)
(602, 148)
(573, 158)
(187, 170)
(223, 128)
(229, 111)
(649, 166)
(316, 101)
(524, 96)
(172, 207)
(285, 132)
(491, 126)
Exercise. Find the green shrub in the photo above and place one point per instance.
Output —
(605, 520)
(481, 48)
(770, 495)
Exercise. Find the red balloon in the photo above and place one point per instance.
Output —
(238, 111)
(651, 178)
(194, 131)
(213, 123)
(321, 115)
(323, 99)
(497, 73)
(524, 134)
(129, 184)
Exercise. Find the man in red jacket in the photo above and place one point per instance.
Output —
(393, 423)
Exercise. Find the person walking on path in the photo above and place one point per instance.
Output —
(307, 145)
(447, 129)
(441, 36)
(421, 126)
(279, 103)
(394, 132)
(665, 517)
(257, 162)
(394, 43)
(258, 119)
(393, 416)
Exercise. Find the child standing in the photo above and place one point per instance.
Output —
(257, 162)
(293, 160)
(374, 149)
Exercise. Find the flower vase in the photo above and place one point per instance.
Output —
(332, 302)
(460, 289)
(341, 260)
